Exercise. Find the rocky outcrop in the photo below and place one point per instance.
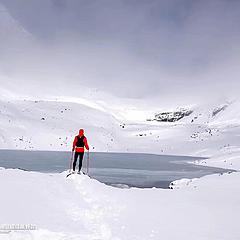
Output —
(171, 116)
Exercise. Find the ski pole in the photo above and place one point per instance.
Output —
(70, 167)
(88, 162)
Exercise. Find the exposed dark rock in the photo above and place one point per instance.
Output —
(219, 109)
(172, 116)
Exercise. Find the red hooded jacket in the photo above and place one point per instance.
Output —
(80, 149)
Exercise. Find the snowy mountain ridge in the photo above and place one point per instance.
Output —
(56, 122)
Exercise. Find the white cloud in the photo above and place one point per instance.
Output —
(129, 48)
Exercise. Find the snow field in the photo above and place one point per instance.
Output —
(78, 207)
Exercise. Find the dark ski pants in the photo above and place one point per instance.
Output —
(76, 155)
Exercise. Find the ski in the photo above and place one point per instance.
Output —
(76, 173)
(69, 174)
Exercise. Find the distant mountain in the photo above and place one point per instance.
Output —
(52, 125)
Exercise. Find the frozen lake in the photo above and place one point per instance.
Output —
(132, 169)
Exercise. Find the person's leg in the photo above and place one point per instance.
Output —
(80, 160)
(75, 160)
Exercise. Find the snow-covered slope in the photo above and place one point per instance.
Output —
(52, 124)
(229, 159)
(82, 208)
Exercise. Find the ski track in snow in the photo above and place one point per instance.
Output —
(95, 212)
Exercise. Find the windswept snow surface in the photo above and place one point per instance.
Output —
(82, 208)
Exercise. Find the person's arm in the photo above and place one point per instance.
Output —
(74, 143)
(86, 143)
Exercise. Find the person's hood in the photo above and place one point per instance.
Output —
(81, 132)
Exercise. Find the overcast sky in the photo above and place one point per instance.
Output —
(130, 48)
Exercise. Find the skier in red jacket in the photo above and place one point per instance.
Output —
(80, 141)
